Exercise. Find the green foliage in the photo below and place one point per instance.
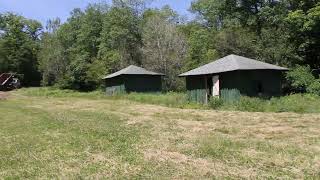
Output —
(120, 39)
(215, 102)
(304, 25)
(273, 46)
(171, 99)
(314, 87)
(299, 103)
(52, 62)
(102, 39)
(19, 45)
(164, 47)
(235, 41)
(280, 32)
(201, 48)
(300, 78)
(248, 104)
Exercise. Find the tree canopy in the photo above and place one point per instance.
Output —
(19, 45)
(103, 38)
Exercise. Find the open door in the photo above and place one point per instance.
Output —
(216, 86)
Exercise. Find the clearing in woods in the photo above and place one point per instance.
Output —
(46, 137)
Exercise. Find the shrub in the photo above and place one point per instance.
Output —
(215, 102)
(299, 103)
(300, 78)
(314, 87)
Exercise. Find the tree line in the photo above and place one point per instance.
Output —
(103, 38)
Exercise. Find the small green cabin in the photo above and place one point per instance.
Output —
(133, 79)
(251, 77)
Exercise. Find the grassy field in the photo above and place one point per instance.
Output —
(76, 135)
(299, 103)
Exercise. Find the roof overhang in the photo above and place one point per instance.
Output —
(110, 77)
(211, 73)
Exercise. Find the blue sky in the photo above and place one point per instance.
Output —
(42, 10)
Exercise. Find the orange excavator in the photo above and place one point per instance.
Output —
(8, 81)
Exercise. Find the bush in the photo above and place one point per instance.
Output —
(314, 88)
(215, 102)
(299, 103)
(300, 78)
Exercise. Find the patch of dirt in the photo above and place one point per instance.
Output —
(3, 95)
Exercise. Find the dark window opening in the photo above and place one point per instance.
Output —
(260, 88)
(209, 86)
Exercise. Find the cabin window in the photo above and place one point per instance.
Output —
(260, 88)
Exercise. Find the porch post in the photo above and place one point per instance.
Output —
(206, 87)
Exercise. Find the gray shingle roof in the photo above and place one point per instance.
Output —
(133, 70)
(232, 63)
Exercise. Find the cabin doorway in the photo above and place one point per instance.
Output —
(209, 87)
(213, 86)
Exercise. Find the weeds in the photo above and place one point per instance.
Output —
(215, 102)
(299, 103)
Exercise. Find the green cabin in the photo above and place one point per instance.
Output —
(251, 77)
(133, 79)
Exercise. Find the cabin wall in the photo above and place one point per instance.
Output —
(253, 83)
(115, 86)
(196, 90)
(143, 83)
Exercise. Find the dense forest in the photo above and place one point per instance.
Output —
(104, 38)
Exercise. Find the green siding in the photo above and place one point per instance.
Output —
(143, 83)
(115, 90)
(115, 86)
(196, 91)
(249, 83)
(133, 83)
(197, 95)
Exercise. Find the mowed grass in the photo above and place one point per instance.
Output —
(79, 135)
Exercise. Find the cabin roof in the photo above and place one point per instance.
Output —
(232, 63)
(133, 70)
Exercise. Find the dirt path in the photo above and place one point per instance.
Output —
(3, 95)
